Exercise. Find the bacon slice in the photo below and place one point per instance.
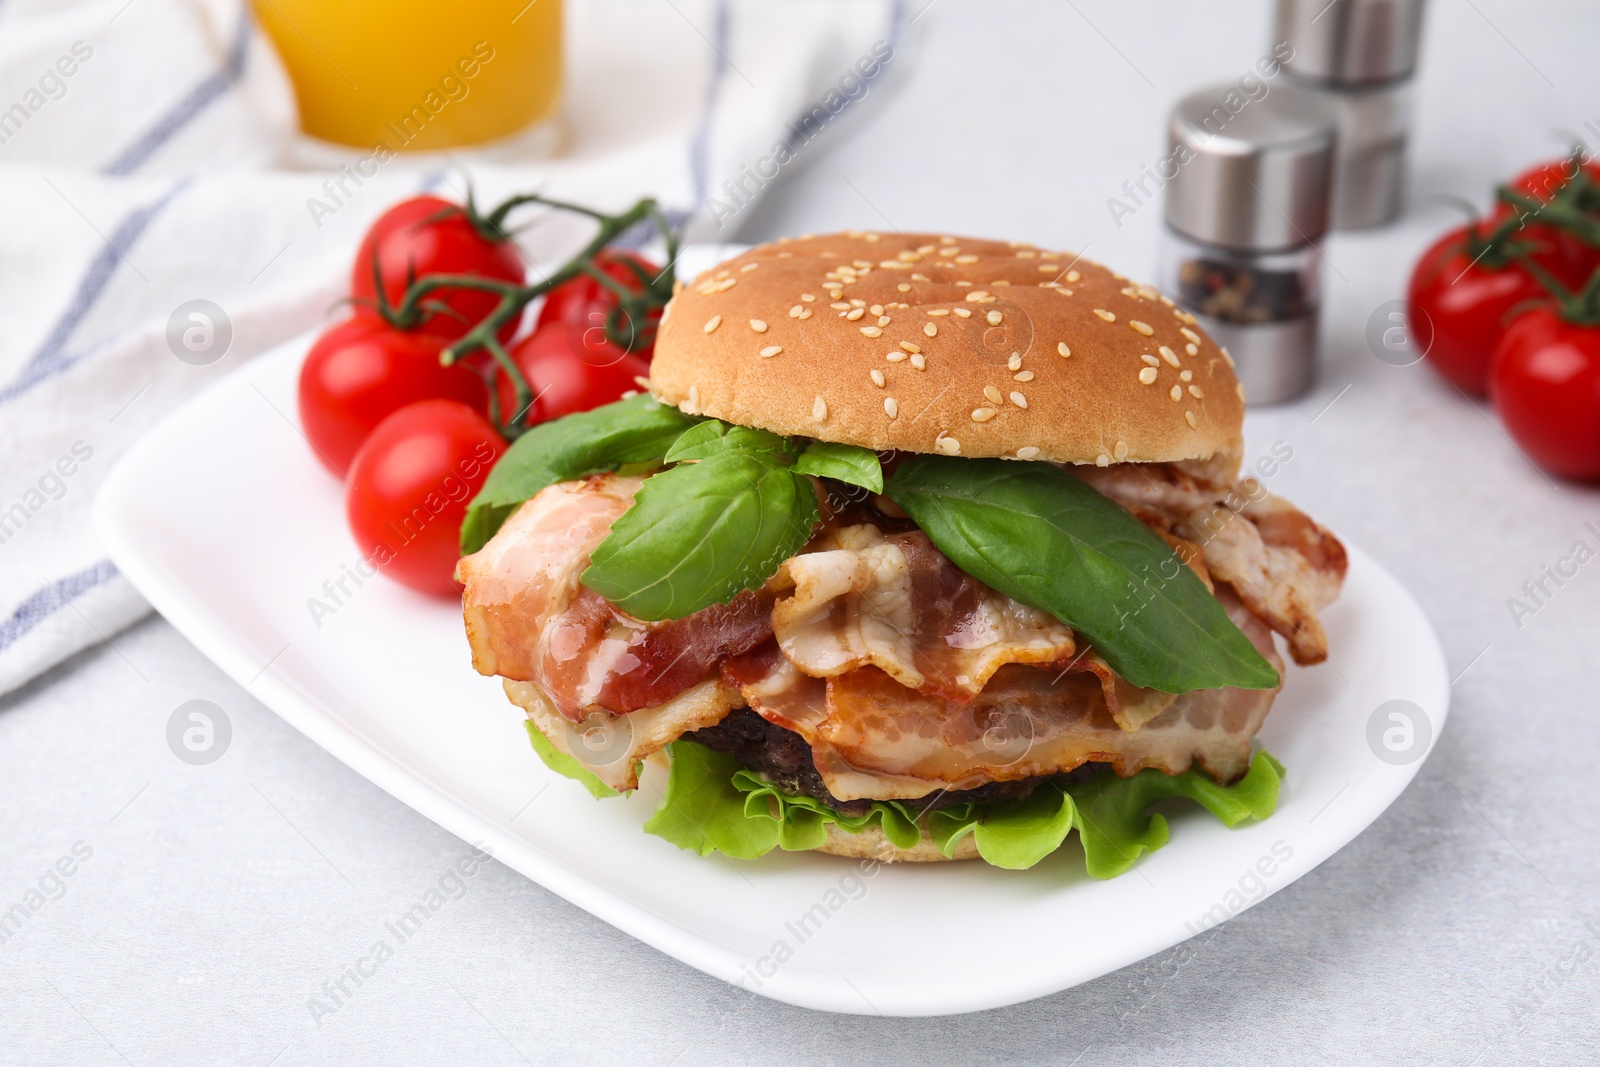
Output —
(529, 619)
(1284, 567)
(874, 738)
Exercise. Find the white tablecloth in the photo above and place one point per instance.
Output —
(1461, 928)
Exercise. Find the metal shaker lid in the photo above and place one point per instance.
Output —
(1350, 42)
(1252, 174)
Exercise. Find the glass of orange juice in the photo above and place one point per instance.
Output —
(416, 75)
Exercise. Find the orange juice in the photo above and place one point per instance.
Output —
(416, 75)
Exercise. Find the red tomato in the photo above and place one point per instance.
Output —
(1465, 305)
(565, 377)
(409, 488)
(1564, 255)
(585, 303)
(1545, 383)
(429, 235)
(360, 372)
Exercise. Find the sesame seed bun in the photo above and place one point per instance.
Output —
(952, 345)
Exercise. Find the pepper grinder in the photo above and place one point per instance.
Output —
(1358, 58)
(1245, 213)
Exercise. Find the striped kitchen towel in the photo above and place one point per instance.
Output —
(148, 159)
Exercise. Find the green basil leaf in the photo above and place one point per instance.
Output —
(575, 446)
(705, 439)
(700, 533)
(843, 463)
(1041, 536)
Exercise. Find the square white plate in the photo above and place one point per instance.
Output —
(226, 522)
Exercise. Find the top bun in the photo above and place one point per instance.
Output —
(952, 345)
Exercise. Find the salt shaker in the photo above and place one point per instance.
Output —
(1245, 213)
(1358, 58)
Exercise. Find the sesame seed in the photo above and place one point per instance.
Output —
(1152, 360)
(1192, 349)
(1238, 387)
(1027, 253)
(794, 312)
(919, 361)
(1130, 292)
(903, 287)
(819, 409)
(939, 311)
(1186, 376)
(835, 293)
(930, 330)
(969, 258)
(1148, 376)
(1022, 376)
(1064, 292)
(1167, 354)
(1063, 350)
(1018, 399)
(721, 274)
(883, 320)
(871, 331)
(726, 284)
(1225, 354)
(854, 313)
(748, 267)
(1102, 460)
(1177, 392)
(758, 326)
(877, 377)
(963, 313)
(992, 393)
(994, 318)
(1073, 276)
(948, 445)
(1015, 362)
(1194, 391)
(1167, 300)
(1104, 314)
(1143, 327)
(1188, 416)
(1048, 268)
(982, 414)
(1193, 337)
(839, 305)
(896, 356)
(1183, 316)
(909, 347)
(920, 278)
(807, 297)
(771, 350)
(713, 322)
(1121, 451)
(890, 407)
(977, 294)
(876, 309)
(947, 240)
(1027, 452)
(912, 257)
(694, 396)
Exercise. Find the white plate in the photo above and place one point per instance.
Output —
(224, 520)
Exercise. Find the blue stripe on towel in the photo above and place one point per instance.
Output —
(185, 110)
(52, 357)
(51, 599)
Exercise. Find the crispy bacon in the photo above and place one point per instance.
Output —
(875, 738)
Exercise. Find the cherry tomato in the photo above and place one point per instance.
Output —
(430, 235)
(409, 488)
(1563, 254)
(584, 303)
(1545, 382)
(1464, 304)
(361, 371)
(565, 377)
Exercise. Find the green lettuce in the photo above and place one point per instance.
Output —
(713, 803)
(565, 765)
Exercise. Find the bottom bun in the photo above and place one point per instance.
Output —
(870, 844)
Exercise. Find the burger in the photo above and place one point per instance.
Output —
(911, 547)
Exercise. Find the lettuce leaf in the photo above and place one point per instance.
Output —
(564, 764)
(713, 803)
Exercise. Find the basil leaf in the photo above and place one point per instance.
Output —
(1043, 537)
(843, 463)
(574, 446)
(700, 533)
(706, 439)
